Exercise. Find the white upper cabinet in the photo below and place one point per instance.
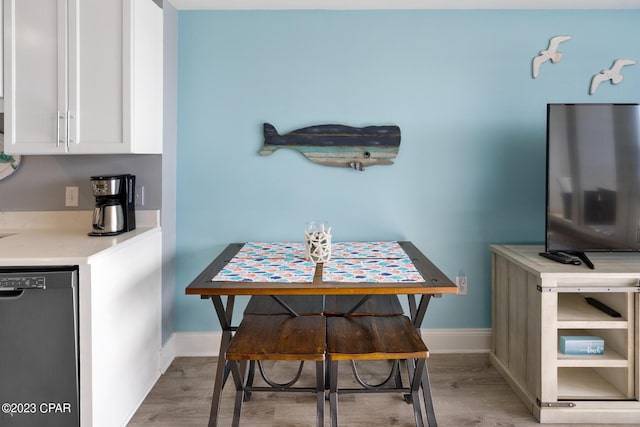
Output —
(83, 76)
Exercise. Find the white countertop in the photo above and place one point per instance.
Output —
(61, 238)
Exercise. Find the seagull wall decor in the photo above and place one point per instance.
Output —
(551, 53)
(612, 74)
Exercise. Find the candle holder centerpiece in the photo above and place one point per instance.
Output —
(317, 241)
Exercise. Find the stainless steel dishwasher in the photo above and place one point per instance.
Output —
(39, 347)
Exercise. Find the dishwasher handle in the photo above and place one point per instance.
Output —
(6, 294)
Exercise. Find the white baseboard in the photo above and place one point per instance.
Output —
(207, 344)
(167, 353)
(458, 340)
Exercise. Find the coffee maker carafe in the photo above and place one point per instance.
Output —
(115, 204)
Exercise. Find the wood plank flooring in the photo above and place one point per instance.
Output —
(467, 391)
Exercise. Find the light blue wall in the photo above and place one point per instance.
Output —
(471, 167)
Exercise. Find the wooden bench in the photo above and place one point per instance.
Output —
(302, 305)
(278, 337)
(374, 305)
(360, 338)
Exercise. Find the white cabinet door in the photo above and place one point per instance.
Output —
(36, 89)
(97, 52)
(116, 102)
(81, 72)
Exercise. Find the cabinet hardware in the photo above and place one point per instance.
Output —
(629, 289)
(58, 118)
(555, 404)
(67, 133)
(70, 117)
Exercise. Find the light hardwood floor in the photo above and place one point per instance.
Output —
(467, 391)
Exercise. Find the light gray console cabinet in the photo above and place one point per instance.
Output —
(535, 302)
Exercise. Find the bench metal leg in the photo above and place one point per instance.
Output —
(250, 378)
(416, 380)
(237, 379)
(333, 392)
(320, 393)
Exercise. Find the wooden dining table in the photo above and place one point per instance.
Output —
(355, 268)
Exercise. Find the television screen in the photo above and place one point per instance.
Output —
(593, 177)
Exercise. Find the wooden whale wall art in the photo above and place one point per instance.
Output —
(338, 145)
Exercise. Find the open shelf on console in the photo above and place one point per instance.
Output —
(574, 312)
(593, 384)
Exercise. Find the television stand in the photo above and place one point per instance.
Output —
(568, 257)
(534, 303)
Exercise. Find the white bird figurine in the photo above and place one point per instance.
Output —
(551, 53)
(612, 74)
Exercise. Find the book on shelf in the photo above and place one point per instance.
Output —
(581, 345)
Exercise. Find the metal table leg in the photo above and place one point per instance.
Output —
(417, 316)
(224, 316)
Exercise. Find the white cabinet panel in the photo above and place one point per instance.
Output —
(2, 55)
(122, 329)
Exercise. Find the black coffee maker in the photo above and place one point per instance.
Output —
(115, 204)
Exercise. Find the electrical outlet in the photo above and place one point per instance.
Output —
(139, 198)
(461, 283)
(71, 196)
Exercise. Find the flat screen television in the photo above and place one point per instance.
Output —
(593, 178)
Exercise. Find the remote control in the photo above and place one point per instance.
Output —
(602, 307)
(560, 257)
